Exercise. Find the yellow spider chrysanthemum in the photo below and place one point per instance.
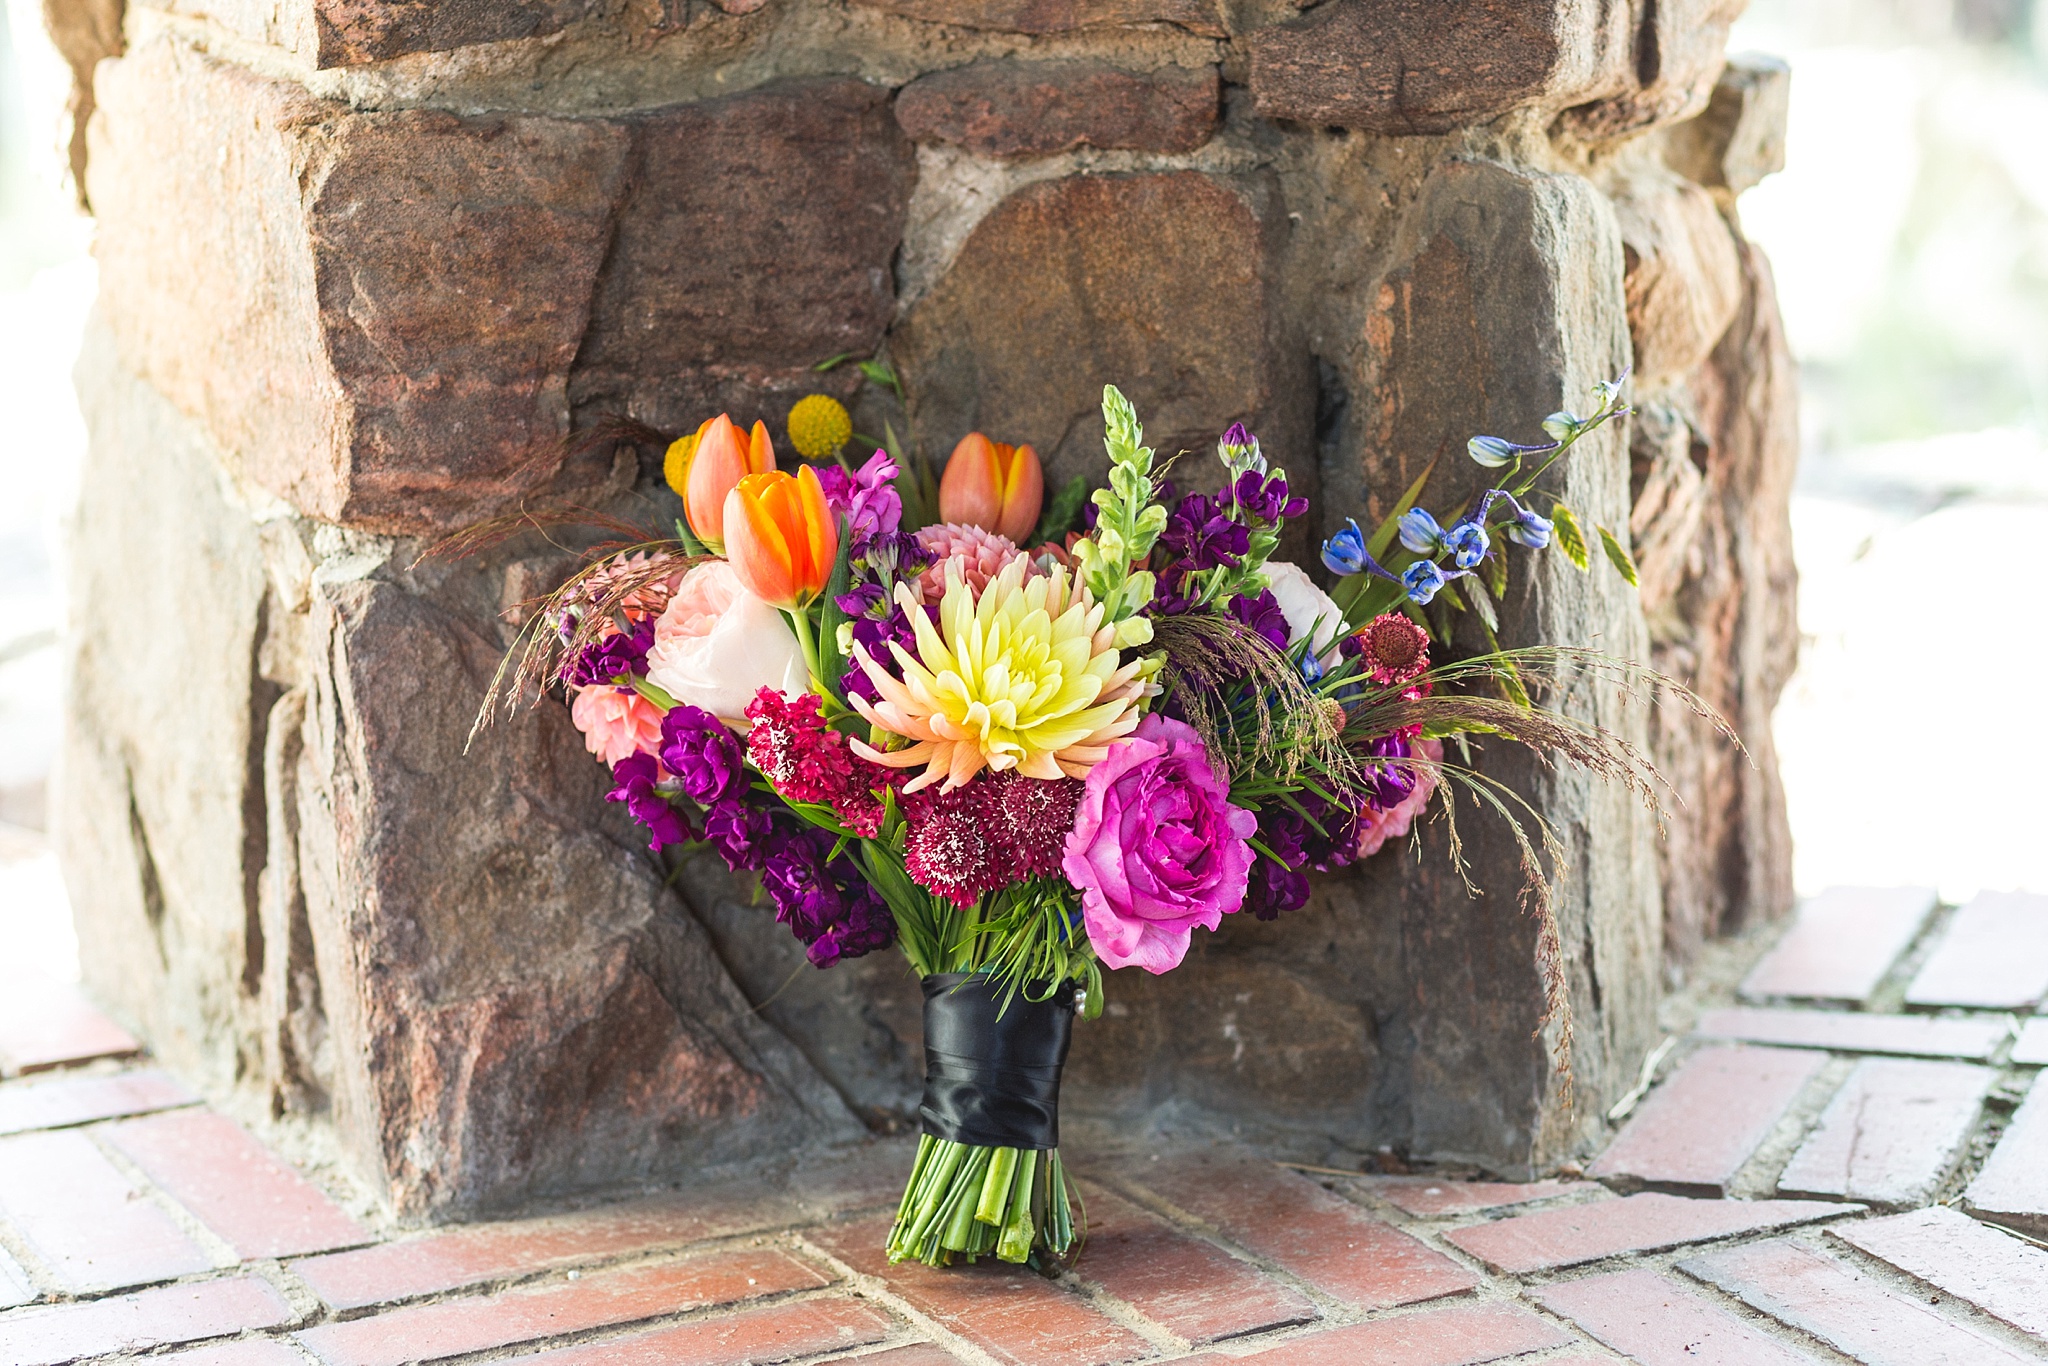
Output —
(818, 426)
(1026, 678)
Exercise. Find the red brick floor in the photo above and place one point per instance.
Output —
(1832, 1173)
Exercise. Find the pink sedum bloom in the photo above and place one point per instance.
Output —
(1376, 827)
(1157, 849)
(616, 724)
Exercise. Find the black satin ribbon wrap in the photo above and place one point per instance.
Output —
(992, 1071)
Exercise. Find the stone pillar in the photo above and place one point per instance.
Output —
(369, 267)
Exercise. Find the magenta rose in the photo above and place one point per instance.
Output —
(1157, 848)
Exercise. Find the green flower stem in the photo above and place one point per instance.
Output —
(806, 640)
(974, 1202)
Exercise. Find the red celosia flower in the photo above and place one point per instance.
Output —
(808, 761)
(1393, 648)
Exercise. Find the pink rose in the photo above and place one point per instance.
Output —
(614, 723)
(1376, 827)
(716, 645)
(1156, 848)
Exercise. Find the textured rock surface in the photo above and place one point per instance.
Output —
(1740, 138)
(1205, 17)
(366, 265)
(1157, 279)
(1010, 109)
(337, 33)
(1427, 66)
(83, 32)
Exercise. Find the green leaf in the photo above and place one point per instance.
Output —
(831, 660)
(689, 542)
(1063, 511)
(1481, 602)
(822, 366)
(1570, 537)
(880, 372)
(1506, 674)
(1383, 534)
(1494, 570)
(1618, 557)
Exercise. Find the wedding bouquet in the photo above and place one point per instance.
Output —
(1028, 744)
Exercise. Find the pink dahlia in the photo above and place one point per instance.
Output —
(980, 555)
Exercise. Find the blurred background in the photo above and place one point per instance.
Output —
(1910, 236)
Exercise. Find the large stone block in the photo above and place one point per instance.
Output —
(161, 764)
(1205, 17)
(791, 199)
(1730, 631)
(341, 33)
(295, 875)
(1158, 283)
(1679, 48)
(1740, 138)
(1399, 1007)
(378, 314)
(1684, 278)
(1017, 109)
(1427, 66)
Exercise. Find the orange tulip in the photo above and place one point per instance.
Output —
(723, 457)
(995, 487)
(781, 537)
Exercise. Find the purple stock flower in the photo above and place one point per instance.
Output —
(825, 902)
(1264, 497)
(876, 634)
(1200, 535)
(867, 497)
(622, 652)
(739, 832)
(634, 777)
(1388, 784)
(1261, 612)
(703, 754)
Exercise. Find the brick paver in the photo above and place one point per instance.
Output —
(85, 1219)
(1841, 944)
(1696, 1130)
(1462, 1335)
(914, 1354)
(429, 1332)
(14, 1285)
(1649, 1222)
(2012, 1188)
(1994, 956)
(2000, 1274)
(1009, 1312)
(464, 1257)
(2031, 1048)
(1326, 1240)
(56, 1102)
(781, 1332)
(52, 1334)
(1659, 1323)
(1845, 1308)
(245, 1352)
(1191, 1288)
(1428, 1197)
(46, 1023)
(234, 1185)
(1850, 1032)
(1892, 1132)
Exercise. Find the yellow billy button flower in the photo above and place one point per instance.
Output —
(1025, 678)
(675, 464)
(819, 426)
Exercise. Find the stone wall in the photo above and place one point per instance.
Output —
(367, 264)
